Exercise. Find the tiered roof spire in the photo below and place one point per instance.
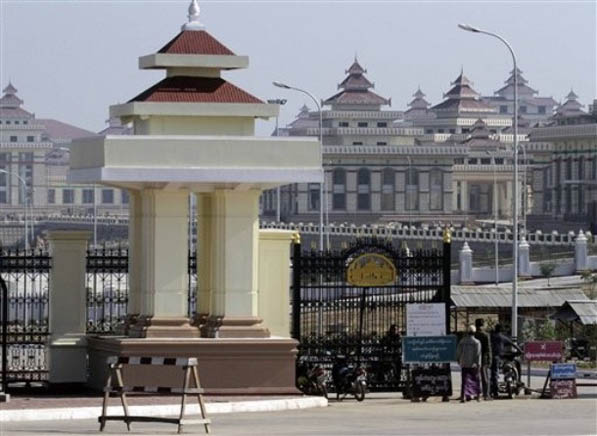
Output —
(523, 88)
(10, 99)
(193, 23)
(571, 106)
(356, 89)
(419, 101)
(462, 98)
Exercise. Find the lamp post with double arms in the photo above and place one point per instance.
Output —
(321, 185)
(281, 102)
(515, 199)
(26, 203)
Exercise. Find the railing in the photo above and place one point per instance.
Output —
(25, 315)
(107, 285)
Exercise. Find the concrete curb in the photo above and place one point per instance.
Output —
(66, 413)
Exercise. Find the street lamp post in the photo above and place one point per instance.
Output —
(26, 202)
(281, 102)
(321, 190)
(469, 28)
(495, 220)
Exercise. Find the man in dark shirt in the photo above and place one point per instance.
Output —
(483, 337)
(499, 341)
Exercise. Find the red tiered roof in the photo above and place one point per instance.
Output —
(181, 89)
(190, 42)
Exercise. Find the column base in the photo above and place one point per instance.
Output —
(226, 366)
(162, 327)
(68, 358)
(234, 327)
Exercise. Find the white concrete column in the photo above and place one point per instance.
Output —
(508, 200)
(204, 255)
(233, 311)
(274, 280)
(464, 195)
(68, 306)
(162, 273)
(580, 252)
(524, 263)
(466, 265)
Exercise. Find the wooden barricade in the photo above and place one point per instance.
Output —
(115, 384)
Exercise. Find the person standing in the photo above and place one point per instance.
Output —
(468, 354)
(499, 342)
(483, 337)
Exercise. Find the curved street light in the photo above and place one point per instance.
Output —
(26, 202)
(470, 28)
(321, 185)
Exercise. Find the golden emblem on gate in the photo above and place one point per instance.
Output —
(371, 269)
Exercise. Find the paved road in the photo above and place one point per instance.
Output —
(383, 415)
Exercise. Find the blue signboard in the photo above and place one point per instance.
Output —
(429, 349)
(563, 371)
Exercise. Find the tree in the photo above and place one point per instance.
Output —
(547, 270)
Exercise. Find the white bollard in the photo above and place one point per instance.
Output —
(524, 263)
(580, 252)
(466, 265)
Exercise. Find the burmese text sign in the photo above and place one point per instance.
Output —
(435, 381)
(429, 349)
(563, 371)
(549, 351)
(564, 388)
(426, 319)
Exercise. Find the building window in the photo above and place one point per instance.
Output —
(503, 109)
(51, 196)
(523, 109)
(412, 189)
(25, 122)
(88, 195)
(343, 123)
(13, 139)
(388, 183)
(429, 131)
(30, 138)
(363, 189)
(581, 168)
(357, 143)
(594, 168)
(436, 189)
(569, 168)
(124, 197)
(107, 196)
(440, 130)
(313, 196)
(7, 122)
(339, 189)
(68, 196)
(466, 130)
(382, 143)
(17, 122)
(541, 110)
(452, 131)
(363, 124)
(382, 124)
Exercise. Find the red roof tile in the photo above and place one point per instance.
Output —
(195, 90)
(194, 42)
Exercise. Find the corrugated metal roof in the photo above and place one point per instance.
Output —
(584, 311)
(498, 297)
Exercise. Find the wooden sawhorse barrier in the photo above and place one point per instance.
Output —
(188, 364)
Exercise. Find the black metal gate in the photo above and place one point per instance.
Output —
(331, 316)
(24, 315)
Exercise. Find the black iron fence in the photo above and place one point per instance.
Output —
(331, 315)
(25, 315)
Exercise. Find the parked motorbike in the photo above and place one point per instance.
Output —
(312, 380)
(348, 378)
(510, 382)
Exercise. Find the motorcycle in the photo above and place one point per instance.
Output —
(510, 382)
(348, 378)
(312, 380)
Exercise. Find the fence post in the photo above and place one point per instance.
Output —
(296, 287)
(4, 397)
(447, 273)
(68, 306)
(524, 265)
(466, 265)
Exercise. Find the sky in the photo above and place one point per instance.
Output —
(70, 60)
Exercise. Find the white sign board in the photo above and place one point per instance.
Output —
(426, 319)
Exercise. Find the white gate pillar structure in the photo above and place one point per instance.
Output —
(580, 252)
(524, 262)
(68, 306)
(466, 265)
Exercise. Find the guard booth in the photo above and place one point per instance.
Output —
(353, 302)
